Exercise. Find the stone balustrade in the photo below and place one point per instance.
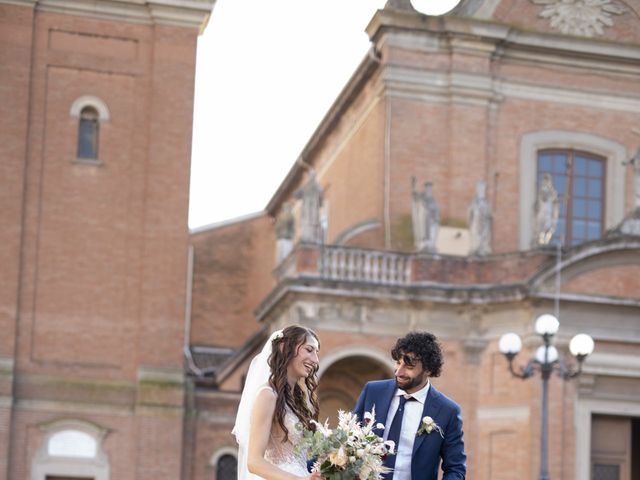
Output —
(352, 264)
(380, 267)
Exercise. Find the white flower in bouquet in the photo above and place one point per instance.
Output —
(350, 451)
(339, 457)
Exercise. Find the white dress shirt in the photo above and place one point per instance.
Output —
(410, 423)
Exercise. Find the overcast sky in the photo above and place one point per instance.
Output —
(267, 71)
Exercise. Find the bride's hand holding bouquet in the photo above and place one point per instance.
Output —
(350, 451)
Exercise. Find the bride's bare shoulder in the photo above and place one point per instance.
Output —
(266, 394)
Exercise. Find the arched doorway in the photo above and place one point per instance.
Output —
(341, 383)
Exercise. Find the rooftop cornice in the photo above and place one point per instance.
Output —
(226, 223)
(388, 26)
(180, 13)
(504, 36)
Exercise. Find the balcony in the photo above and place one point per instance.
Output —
(385, 268)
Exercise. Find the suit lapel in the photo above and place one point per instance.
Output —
(431, 408)
(383, 404)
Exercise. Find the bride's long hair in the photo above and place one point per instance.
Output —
(302, 401)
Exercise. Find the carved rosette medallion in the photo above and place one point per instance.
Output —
(580, 17)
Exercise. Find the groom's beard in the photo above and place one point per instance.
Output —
(409, 383)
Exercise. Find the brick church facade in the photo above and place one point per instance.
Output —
(96, 102)
(499, 92)
(125, 338)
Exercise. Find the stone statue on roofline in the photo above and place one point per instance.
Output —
(635, 161)
(425, 216)
(285, 231)
(479, 221)
(399, 4)
(310, 221)
(546, 210)
(631, 224)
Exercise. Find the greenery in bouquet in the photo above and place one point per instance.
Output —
(350, 451)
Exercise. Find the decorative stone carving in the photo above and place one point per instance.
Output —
(285, 227)
(631, 224)
(546, 209)
(480, 220)
(311, 196)
(586, 18)
(425, 216)
(475, 341)
(635, 161)
(285, 231)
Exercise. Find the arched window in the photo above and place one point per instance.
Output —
(72, 443)
(91, 113)
(88, 127)
(225, 463)
(578, 177)
(70, 449)
(227, 468)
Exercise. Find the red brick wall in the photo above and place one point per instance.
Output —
(105, 246)
(620, 281)
(456, 143)
(354, 173)
(94, 255)
(231, 276)
(15, 54)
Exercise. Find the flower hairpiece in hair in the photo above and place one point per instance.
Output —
(277, 335)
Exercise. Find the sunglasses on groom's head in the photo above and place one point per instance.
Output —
(409, 359)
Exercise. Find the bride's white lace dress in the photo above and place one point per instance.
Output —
(284, 455)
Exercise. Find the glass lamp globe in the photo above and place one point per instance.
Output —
(431, 7)
(547, 324)
(510, 343)
(581, 345)
(552, 354)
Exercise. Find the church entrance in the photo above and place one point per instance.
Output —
(615, 448)
(341, 384)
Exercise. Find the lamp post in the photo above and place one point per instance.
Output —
(546, 360)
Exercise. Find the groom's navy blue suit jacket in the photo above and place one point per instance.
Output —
(428, 449)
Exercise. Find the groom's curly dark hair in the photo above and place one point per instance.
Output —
(424, 346)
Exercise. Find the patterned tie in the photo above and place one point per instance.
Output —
(394, 433)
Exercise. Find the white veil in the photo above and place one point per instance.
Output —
(257, 377)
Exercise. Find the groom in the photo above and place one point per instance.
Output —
(425, 425)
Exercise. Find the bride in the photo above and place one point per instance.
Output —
(278, 398)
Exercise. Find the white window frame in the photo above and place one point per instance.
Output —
(89, 101)
(613, 152)
(104, 115)
(43, 464)
(587, 404)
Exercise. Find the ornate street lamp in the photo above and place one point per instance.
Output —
(546, 360)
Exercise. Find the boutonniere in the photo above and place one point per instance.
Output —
(428, 425)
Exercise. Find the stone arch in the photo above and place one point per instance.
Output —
(213, 461)
(71, 447)
(354, 231)
(90, 101)
(587, 258)
(219, 454)
(344, 372)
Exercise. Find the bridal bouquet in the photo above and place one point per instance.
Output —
(350, 451)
